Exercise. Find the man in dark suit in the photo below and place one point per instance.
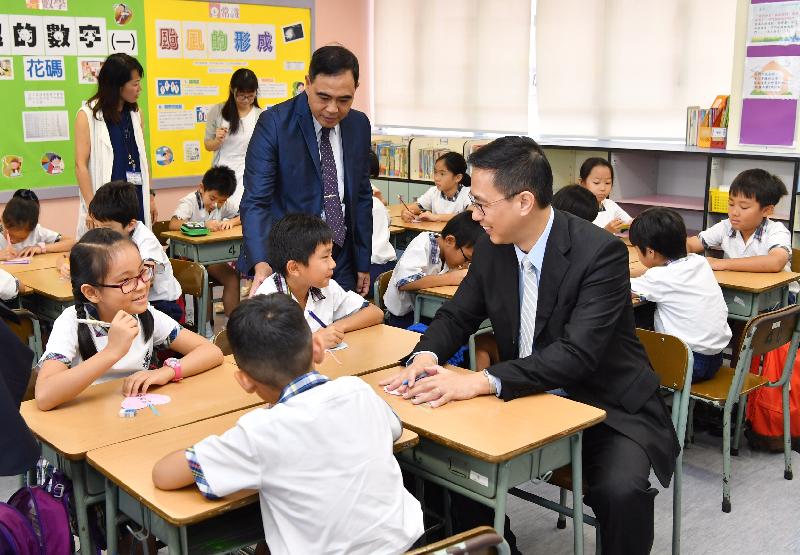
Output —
(556, 289)
(309, 155)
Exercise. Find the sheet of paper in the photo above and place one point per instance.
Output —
(142, 401)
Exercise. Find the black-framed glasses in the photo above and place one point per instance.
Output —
(482, 205)
(130, 284)
(466, 258)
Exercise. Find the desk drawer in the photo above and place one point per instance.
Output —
(740, 303)
(455, 467)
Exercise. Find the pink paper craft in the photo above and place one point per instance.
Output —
(22, 260)
(137, 402)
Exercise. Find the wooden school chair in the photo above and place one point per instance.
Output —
(194, 281)
(482, 540)
(380, 287)
(763, 333)
(672, 360)
(796, 260)
(221, 341)
(158, 229)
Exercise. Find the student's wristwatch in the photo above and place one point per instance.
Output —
(175, 364)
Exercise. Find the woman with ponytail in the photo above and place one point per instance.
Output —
(230, 125)
(111, 331)
(449, 196)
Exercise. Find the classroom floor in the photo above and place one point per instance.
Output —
(763, 520)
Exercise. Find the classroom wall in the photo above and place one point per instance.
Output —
(344, 21)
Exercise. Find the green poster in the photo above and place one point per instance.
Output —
(50, 53)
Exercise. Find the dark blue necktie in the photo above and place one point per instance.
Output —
(330, 188)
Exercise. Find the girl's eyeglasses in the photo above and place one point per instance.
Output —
(130, 284)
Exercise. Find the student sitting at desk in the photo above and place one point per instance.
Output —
(320, 455)
(597, 175)
(383, 257)
(576, 200)
(689, 301)
(115, 206)
(750, 240)
(210, 204)
(111, 331)
(430, 260)
(299, 247)
(448, 197)
(22, 235)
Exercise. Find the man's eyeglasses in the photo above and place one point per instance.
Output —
(483, 205)
(130, 284)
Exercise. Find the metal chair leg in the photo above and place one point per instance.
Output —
(726, 458)
(561, 523)
(739, 421)
(787, 434)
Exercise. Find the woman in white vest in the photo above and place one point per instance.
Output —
(109, 136)
(230, 125)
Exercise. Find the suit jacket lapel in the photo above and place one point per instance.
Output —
(344, 129)
(306, 123)
(554, 267)
(507, 275)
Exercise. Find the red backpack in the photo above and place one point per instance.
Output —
(764, 407)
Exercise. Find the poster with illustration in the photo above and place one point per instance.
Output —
(52, 163)
(12, 165)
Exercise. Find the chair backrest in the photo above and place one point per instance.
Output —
(28, 331)
(796, 260)
(381, 285)
(673, 361)
(194, 281)
(221, 341)
(478, 541)
(771, 330)
(159, 228)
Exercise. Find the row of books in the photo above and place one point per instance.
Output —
(427, 160)
(392, 159)
(708, 128)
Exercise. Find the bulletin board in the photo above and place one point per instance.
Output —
(192, 50)
(50, 53)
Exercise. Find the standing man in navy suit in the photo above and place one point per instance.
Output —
(310, 155)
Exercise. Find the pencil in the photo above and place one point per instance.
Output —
(91, 322)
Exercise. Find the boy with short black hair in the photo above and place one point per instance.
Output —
(430, 260)
(576, 200)
(300, 252)
(322, 445)
(116, 206)
(210, 205)
(689, 301)
(751, 241)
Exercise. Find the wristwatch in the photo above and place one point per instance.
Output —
(492, 388)
(175, 364)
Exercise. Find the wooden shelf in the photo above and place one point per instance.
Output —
(668, 201)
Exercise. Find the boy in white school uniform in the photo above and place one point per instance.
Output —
(689, 301)
(299, 250)
(751, 241)
(320, 455)
(116, 206)
(211, 205)
(430, 260)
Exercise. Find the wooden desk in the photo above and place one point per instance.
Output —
(234, 520)
(748, 293)
(216, 247)
(395, 210)
(483, 447)
(369, 349)
(38, 262)
(92, 421)
(52, 294)
(435, 227)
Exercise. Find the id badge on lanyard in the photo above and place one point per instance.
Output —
(134, 177)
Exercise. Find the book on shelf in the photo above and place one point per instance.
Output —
(392, 159)
(708, 128)
(427, 160)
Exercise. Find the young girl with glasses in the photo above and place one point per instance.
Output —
(111, 331)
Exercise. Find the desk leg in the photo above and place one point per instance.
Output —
(112, 499)
(174, 541)
(417, 308)
(577, 491)
(501, 497)
(79, 493)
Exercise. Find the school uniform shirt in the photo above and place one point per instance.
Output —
(164, 287)
(436, 202)
(689, 303)
(767, 236)
(329, 304)
(63, 342)
(321, 459)
(382, 249)
(421, 258)
(9, 286)
(40, 234)
(191, 209)
(610, 210)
